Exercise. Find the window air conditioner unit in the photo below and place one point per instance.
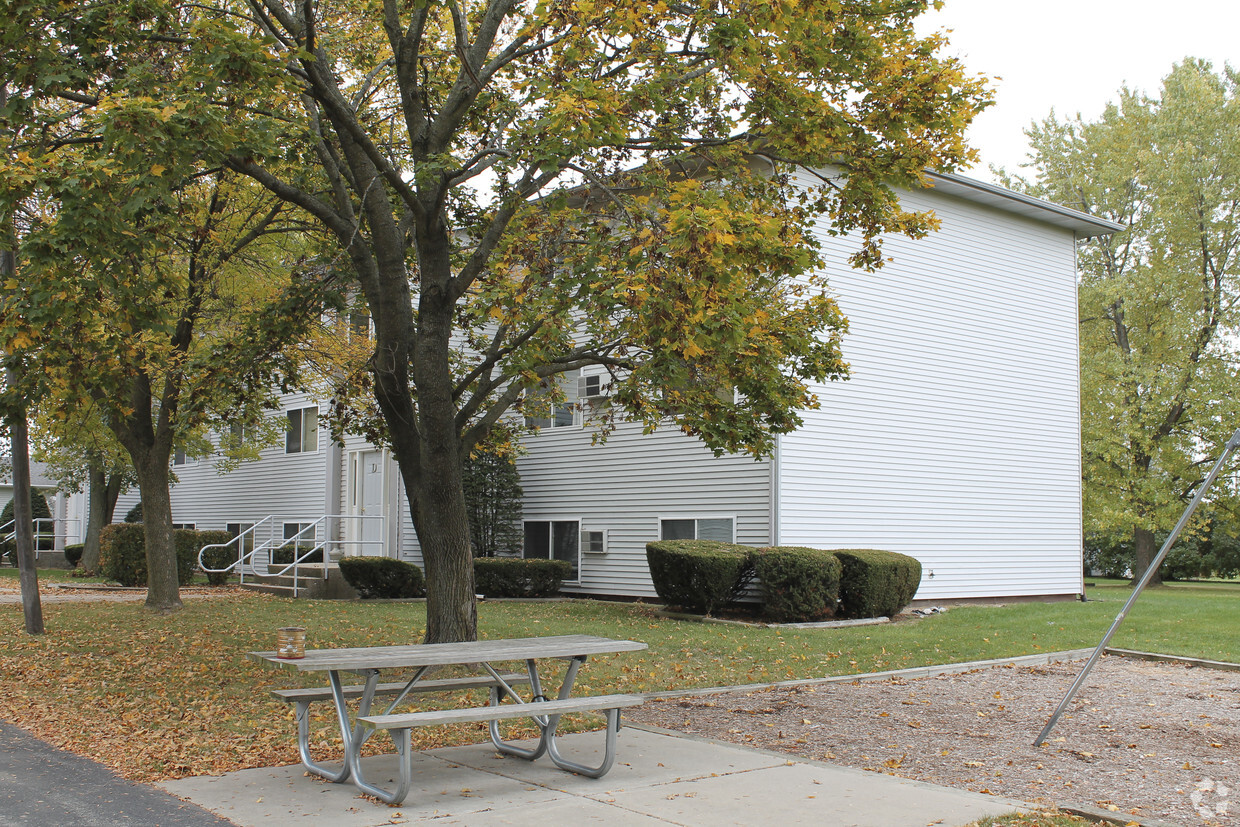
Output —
(590, 387)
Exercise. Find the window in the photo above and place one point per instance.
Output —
(545, 413)
(178, 457)
(359, 326)
(303, 431)
(291, 530)
(247, 544)
(700, 528)
(554, 540)
(182, 526)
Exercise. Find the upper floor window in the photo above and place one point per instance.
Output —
(179, 457)
(698, 528)
(584, 398)
(360, 326)
(302, 435)
(544, 412)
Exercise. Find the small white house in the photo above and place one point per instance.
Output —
(956, 440)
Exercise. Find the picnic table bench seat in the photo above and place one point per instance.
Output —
(401, 725)
(302, 698)
(439, 685)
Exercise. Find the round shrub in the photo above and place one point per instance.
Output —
(876, 583)
(217, 558)
(699, 575)
(519, 577)
(798, 584)
(185, 540)
(73, 554)
(122, 553)
(382, 577)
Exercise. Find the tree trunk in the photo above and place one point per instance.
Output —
(162, 587)
(1144, 552)
(442, 525)
(96, 492)
(32, 607)
(19, 451)
(103, 490)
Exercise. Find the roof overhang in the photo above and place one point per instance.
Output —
(1081, 224)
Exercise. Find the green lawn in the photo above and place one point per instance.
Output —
(9, 576)
(163, 696)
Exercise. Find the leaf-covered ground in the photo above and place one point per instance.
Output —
(160, 697)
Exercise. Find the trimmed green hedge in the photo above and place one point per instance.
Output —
(284, 555)
(122, 554)
(798, 584)
(699, 575)
(876, 583)
(217, 558)
(73, 554)
(382, 577)
(519, 576)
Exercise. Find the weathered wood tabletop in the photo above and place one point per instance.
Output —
(444, 654)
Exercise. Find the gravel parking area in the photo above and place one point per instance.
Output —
(1145, 740)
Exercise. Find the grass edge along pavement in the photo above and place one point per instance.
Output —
(167, 696)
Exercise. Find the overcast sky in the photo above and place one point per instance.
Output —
(1073, 55)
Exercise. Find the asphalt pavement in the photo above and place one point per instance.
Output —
(42, 785)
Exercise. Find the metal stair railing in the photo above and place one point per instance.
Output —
(314, 539)
(45, 529)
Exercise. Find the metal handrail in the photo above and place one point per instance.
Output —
(8, 531)
(246, 559)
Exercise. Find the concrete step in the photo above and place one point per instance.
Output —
(313, 581)
(263, 587)
(318, 570)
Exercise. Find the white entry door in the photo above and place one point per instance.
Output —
(370, 503)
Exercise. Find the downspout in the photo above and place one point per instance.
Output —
(331, 494)
(773, 499)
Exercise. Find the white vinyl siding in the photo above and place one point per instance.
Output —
(627, 485)
(957, 439)
(289, 486)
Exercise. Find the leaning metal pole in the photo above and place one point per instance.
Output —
(1232, 444)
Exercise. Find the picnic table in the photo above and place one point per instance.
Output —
(504, 702)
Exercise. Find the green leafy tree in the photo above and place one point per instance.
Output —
(151, 283)
(83, 455)
(1158, 311)
(494, 498)
(524, 189)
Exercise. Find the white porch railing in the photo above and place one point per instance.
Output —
(327, 538)
(50, 533)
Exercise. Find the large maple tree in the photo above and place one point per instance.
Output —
(525, 188)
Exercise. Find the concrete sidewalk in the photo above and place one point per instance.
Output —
(659, 777)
